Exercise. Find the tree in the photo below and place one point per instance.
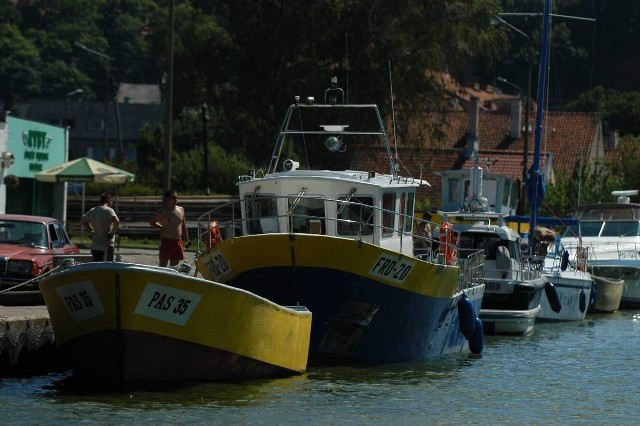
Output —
(19, 62)
(621, 110)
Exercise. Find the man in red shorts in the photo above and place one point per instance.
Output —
(173, 230)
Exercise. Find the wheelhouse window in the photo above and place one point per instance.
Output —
(472, 242)
(454, 185)
(262, 214)
(388, 205)
(407, 210)
(586, 229)
(355, 217)
(307, 215)
(622, 229)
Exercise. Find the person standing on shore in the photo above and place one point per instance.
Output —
(103, 224)
(173, 230)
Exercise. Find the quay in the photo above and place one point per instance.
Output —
(27, 343)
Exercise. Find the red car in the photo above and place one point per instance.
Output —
(28, 245)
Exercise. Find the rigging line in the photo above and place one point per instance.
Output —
(393, 113)
(346, 41)
(545, 107)
(304, 139)
(593, 49)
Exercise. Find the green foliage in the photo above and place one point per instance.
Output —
(585, 185)
(626, 163)
(224, 169)
(620, 109)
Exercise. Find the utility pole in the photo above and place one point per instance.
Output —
(169, 137)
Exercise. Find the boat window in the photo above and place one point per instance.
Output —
(587, 229)
(472, 242)
(307, 216)
(622, 229)
(453, 191)
(388, 205)
(408, 225)
(356, 216)
(403, 210)
(262, 216)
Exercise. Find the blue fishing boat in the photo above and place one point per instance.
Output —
(341, 242)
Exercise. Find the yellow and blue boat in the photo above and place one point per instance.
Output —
(341, 243)
(136, 322)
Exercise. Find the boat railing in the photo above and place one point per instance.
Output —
(230, 222)
(561, 259)
(472, 269)
(606, 250)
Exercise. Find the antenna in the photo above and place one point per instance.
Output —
(393, 113)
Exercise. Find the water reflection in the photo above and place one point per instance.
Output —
(72, 389)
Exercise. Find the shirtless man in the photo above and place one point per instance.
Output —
(173, 230)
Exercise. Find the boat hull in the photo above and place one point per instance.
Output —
(520, 322)
(510, 307)
(608, 294)
(137, 322)
(574, 292)
(369, 304)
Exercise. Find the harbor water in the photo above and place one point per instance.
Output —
(563, 373)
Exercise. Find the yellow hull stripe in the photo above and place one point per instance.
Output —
(235, 256)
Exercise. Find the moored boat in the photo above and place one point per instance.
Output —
(341, 243)
(611, 234)
(573, 283)
(133, 322)
(513, 289)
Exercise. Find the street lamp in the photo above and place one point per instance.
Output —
(508, 83)
(107, 61)
(65, 120)
(527, 113)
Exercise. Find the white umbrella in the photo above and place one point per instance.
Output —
(85, 170)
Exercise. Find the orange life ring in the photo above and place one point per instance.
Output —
(211, 238)
(447, 243)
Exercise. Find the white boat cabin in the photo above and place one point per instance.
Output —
(366, 206)
(501, 192)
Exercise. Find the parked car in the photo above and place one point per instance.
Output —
(28, 245)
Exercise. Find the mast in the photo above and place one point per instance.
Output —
(536, 183)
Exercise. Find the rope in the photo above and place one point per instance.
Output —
(35, 279)
(185, 263)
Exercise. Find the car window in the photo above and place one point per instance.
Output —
(23, 233)
(61, 234)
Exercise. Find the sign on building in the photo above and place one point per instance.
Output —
(35, 146)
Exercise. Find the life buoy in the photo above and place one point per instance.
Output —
(447, 243)
(211, 238)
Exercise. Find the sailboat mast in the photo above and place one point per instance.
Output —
(535, 175)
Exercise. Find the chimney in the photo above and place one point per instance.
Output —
(516, 117)
(472, 131)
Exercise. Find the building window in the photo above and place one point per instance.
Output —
(96, 125)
